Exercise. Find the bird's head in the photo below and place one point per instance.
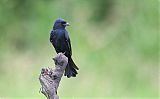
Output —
(60, 24)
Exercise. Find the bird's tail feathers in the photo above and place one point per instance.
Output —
(71, 68)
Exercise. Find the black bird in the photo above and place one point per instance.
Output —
(59, 38)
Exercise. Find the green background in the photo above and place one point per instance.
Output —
(114, 43)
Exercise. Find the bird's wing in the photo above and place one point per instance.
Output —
(67, 39)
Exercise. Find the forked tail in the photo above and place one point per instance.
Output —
(71, 68)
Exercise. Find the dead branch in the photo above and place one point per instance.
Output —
(50, 78)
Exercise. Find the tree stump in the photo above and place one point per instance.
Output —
(50, 78)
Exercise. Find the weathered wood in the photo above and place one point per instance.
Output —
(50, 78)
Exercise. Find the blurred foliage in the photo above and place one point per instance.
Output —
(114, 42)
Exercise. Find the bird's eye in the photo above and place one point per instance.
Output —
(64, 22)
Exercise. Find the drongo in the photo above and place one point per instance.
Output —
(59, 38)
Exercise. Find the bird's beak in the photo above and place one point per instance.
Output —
(67, 24)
